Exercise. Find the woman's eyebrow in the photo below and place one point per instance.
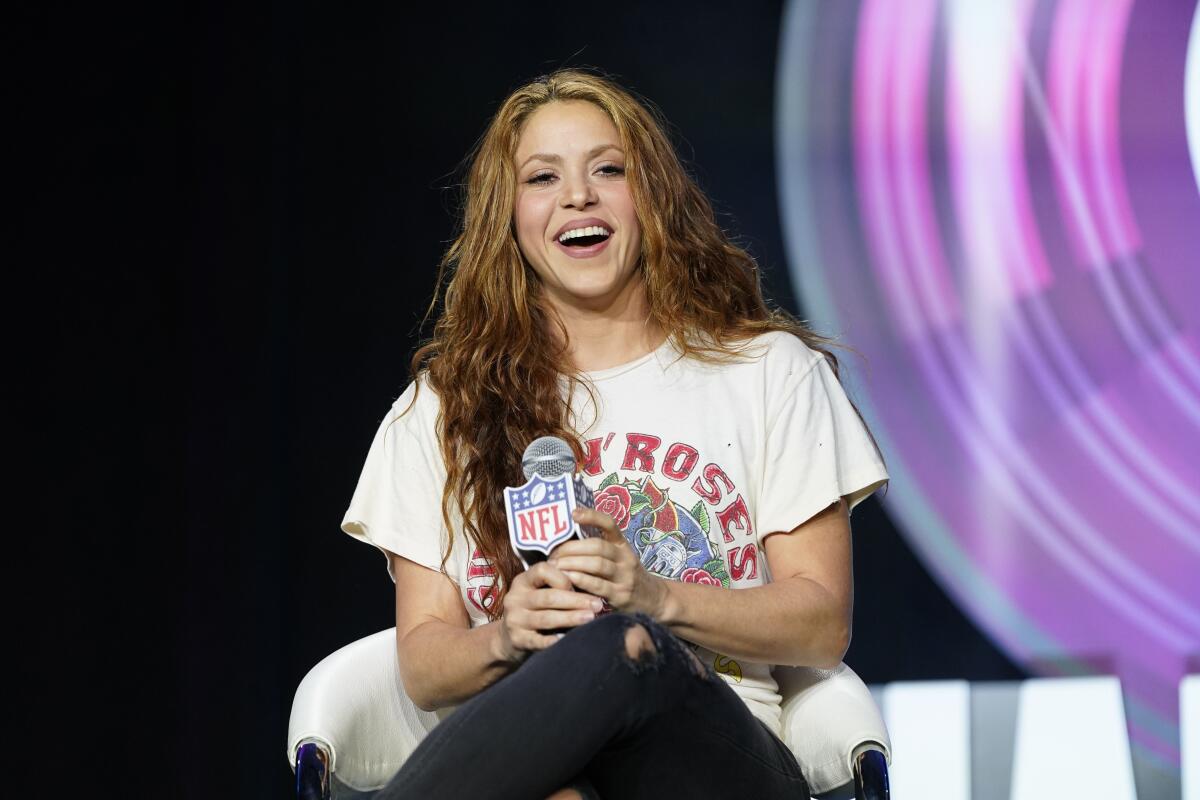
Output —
(553, 159)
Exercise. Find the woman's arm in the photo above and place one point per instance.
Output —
(443, 661)
(802, 618)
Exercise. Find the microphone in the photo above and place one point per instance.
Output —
(539, 511)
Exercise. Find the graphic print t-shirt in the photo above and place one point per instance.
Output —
(697, 463)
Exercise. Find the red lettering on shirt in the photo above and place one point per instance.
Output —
(706, 484)
(479, 570)
(680, 461)
(591, 457)
(482, 574)
(639, 452)
(482, 597)
(742, 557)
(734, 515)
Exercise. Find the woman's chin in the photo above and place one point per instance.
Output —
(590, 296)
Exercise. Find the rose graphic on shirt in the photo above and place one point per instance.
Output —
(693, 575)
(670, 540)
(615, 501)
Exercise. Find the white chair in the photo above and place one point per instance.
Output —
(352, 726)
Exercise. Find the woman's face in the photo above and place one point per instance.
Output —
(570, 173)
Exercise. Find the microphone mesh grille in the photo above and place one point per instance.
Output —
(548, 456)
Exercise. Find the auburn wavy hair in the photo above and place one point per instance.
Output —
(492, 358)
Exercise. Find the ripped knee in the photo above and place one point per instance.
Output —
(641, 652)
(639, 647)
(647, 646)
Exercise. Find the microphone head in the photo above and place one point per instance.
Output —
(549, 457)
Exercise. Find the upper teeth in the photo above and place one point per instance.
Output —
(593, 230)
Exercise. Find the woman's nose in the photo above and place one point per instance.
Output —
(578, 193)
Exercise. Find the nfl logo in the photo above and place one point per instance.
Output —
(539, 513)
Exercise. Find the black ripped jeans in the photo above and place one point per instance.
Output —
(583, 713)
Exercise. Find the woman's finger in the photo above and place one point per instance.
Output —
(607, 525)
(544, 573)
(592, 565)
(552, 620)
(592, 585)
(582, 547)
(559, 599)
(533, 641)
(526, 626)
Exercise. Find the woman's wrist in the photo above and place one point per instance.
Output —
(668, 608)
(500, 647)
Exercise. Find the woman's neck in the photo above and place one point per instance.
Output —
(604, 344)
(609, 338)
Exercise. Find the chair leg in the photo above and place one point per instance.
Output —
(312, 772)
(871, 776)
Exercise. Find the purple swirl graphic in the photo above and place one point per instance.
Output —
(996, 204)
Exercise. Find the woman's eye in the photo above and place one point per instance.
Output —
(609, 170)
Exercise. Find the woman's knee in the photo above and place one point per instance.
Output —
(600, 632)
(615, 632)
(649, 643)
(638, 644)
(638, 639)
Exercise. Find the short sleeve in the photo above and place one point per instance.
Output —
(817, 450)
(397, 504)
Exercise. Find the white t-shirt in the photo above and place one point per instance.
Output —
(696, 463)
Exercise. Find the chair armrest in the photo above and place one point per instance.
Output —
(353, 705)
(829, 718)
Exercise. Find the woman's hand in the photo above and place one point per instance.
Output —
(541, 599)
(607, 567)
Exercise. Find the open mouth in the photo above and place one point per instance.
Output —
(585, 235)
(586, 241)
(585, 245)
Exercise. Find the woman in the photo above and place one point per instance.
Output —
(592, 296)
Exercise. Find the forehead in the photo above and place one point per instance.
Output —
(565, 128)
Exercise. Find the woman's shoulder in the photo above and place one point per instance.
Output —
(416, 409)
(781, 353)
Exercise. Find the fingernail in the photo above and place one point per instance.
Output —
(558, 636)
(586, 616)
(597, 604)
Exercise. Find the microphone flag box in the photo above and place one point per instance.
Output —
(539, 515)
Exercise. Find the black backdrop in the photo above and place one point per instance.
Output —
(234, 226)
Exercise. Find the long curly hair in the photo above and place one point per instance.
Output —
(491, 361)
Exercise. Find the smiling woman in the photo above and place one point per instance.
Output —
(590, 295)
(575, 217)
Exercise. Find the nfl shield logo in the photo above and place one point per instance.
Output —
(539, 513)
